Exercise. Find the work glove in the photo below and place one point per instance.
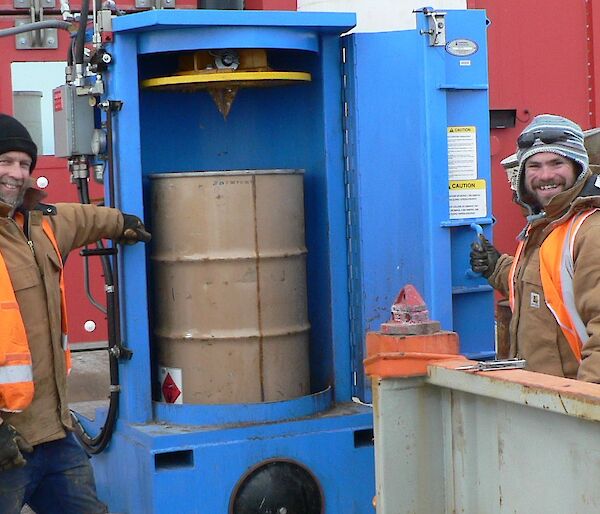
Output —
(12, 444)
(133, 231)
(484, 257)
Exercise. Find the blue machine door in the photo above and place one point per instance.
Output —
(418, 177)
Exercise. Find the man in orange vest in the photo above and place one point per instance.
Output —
(41, 463)
(553, 280)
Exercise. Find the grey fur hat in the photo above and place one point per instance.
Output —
(555, 134)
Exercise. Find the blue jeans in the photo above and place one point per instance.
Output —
(57, 479)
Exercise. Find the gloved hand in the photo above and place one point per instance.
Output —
(484, 257)
(11, 446)
(133, 230)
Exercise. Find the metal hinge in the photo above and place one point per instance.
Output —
(437, 26)
(353, 276)
(29, 4)
(155, 4)
(37, 39)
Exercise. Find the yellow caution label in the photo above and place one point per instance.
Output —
(467, 198)
(456, 130)
(462, 153)
(462, 185)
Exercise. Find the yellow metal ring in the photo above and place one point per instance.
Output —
(233, 78)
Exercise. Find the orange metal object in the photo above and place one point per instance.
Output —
(410, 315)
(443, 342)
(410, 341)
(408, 356)
(410, 364)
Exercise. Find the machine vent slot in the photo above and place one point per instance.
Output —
(363, 438)
(503, 118)
(174, 460)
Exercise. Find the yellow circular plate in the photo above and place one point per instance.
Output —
(233, 79)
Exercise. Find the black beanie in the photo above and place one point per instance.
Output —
(14, 137)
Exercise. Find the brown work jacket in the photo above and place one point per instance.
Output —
(534, 333)
(35, 280)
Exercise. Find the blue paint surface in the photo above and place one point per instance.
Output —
(376, 216)
(403, 94)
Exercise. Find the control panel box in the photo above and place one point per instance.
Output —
(73, 122)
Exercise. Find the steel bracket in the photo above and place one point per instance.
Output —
(37, 39)
(155, 4)
(437, 27)
(33, 4)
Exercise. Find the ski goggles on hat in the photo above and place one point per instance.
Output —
(547, 136)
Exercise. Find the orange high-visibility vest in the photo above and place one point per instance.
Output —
(16, 374)
(556, 271)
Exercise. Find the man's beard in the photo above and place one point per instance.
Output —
(15, 200)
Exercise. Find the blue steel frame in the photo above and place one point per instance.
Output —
(402, 95)
(196, 137)
(188, 458)
(394, 224)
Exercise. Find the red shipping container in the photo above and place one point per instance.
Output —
(271, 5)
(540, 61)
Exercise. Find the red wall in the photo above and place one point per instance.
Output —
(271, 5)
(540, 61)
(59, 190)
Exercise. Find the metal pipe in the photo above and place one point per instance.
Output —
(84, 197)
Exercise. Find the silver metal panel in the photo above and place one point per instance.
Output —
(73, 122)
(483, 443)
(408, 447)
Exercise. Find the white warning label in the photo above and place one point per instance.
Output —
(171, 384)
(467, 199)
(462, 153)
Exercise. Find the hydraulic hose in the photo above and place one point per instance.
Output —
(84, 197)
(37, 25)
(80, 38)
(96, 444)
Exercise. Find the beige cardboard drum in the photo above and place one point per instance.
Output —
(229, 274)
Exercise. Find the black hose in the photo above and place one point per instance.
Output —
(70, 54)
(37, 25)
(84, 197)
(96, 444)
(80, 38)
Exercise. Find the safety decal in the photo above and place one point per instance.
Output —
(462, 153)
(467, 199)
(57, 100)
(461, 47)
(171, 384)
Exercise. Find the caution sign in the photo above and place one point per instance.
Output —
(467, 199)
(171, 384)
(462, 153)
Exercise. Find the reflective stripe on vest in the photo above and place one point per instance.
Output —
(556, 270)
(16, 375)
